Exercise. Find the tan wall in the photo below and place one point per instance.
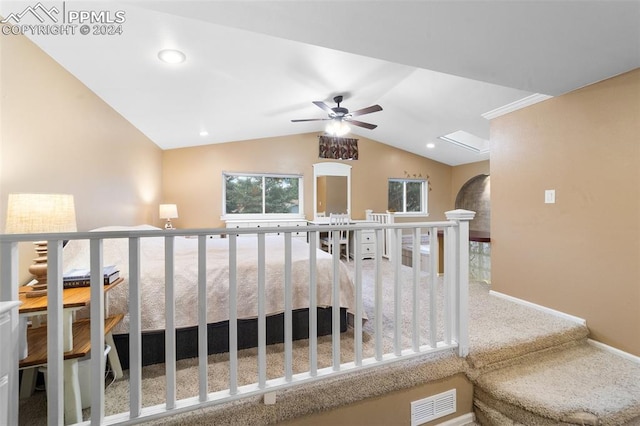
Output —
(58, 136)
(394, 408)
(192, 177)
(582, 254)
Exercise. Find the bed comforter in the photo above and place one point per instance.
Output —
(152, 279)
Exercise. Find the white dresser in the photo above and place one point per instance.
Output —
(8, 363)
(268, 223)
(367, 243)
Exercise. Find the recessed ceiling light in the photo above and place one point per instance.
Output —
(172, 56)
(431, 145)
(204, 133)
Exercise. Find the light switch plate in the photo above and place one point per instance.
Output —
(550, 196)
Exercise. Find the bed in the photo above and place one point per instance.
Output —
(152, 282)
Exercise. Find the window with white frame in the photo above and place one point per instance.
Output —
(408, 196)
(262, 194)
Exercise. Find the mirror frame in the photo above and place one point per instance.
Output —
(330, 169)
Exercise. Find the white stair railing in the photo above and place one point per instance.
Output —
(455, 316)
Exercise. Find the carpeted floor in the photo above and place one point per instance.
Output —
(503, 335)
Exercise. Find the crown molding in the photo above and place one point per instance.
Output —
(514, 106)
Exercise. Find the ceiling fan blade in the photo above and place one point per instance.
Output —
(311, 119)
(368, 110)
(323, 106)
(362, 124)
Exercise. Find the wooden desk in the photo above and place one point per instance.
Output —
(75, 297)
(72, 299)
(37, 341)
(77, 343)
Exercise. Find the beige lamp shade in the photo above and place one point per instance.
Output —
(40, 213)
(34, 213)
(168, 211)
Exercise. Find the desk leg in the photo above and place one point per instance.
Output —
(28, 382)
(67, 329)
(72, 400)
(114, 360)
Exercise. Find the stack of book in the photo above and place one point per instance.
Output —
(82, 277)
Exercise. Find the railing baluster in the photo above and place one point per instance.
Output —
(454, 252)
(170, 321)
(378, 294)
(96, 308)
(449, 280)
(434, 254)
(135, 329)
(415, 261)
(313, 303)
(55, 356)
(357, 333)
(397, 293)
(262, 322)
(288, 306)
(203, 365)
(335, 306)
(233, 314)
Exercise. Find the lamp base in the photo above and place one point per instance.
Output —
(39, 270)
(168, 225)
(36, 293)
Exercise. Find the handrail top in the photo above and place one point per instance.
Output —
(194, 232)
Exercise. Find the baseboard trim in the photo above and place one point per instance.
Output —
(462, 420)
(560, 314)
(615, 351)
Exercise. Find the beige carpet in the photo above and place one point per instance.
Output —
(579, 385)
(502, 333)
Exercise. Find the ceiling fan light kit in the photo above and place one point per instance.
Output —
(340, 117)
(337, 127)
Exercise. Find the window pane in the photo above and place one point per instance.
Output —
(244, 194)
(281, 195)
(414, 196)
(395, 196)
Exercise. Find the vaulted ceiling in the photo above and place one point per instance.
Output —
(434, 66)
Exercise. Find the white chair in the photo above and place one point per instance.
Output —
(343, 238)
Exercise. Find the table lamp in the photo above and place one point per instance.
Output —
(168, 211)
(36, 213)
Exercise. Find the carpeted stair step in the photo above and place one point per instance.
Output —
(580, 385)
(501, 331)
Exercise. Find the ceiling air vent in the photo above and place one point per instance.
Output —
(433, 407)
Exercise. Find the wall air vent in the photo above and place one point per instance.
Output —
(467, 141)
(433, 407)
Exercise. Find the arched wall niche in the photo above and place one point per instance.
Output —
(475, 195)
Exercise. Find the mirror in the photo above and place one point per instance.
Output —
(331, 190)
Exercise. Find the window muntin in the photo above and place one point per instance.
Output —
(256, 194)
(408, 196)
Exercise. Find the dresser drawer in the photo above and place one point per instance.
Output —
(368, 237)
(368, 250)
